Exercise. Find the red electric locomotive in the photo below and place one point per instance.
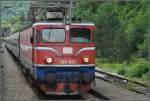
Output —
(59, 57)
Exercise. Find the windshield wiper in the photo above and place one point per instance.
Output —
(49, 34)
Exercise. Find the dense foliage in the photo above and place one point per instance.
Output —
(122, 28)
(13, 16)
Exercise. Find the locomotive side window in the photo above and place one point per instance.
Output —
(80, 35)
(53, 35)
(37, 36)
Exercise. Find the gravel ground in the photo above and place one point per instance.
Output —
(16, 87)
(117, 93)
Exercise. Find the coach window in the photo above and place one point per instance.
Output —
(27, 38)
(80, 35)
(53, 35)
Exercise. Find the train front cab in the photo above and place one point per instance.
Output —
(64, 57)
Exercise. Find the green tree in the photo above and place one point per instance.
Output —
(121, 31)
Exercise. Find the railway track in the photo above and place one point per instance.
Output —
(91, 95)
(122, 81)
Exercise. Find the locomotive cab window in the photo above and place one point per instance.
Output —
(53, 35)
(80, 35)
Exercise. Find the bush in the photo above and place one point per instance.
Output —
(112, 67)
(145, 78)
(137, 68)
(121, 71)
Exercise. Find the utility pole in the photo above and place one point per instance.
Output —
(0, 35)
(1, 64)
(70, 12)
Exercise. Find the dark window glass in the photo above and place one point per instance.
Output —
(53, 35)
(80, 35)
(37, 36)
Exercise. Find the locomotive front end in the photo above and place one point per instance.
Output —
(64, 57)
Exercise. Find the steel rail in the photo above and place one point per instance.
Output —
(122, 81)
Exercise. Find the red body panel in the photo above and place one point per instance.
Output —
(77, 58)
(58, 47)
(26, 49)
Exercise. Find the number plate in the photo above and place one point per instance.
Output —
(68, 61)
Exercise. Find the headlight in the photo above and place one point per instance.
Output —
(86, 59)
(49, 60)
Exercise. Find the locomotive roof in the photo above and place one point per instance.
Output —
(61, 23)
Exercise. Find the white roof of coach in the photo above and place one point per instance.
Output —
(13, 36)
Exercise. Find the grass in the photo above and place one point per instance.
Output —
(136, 70)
